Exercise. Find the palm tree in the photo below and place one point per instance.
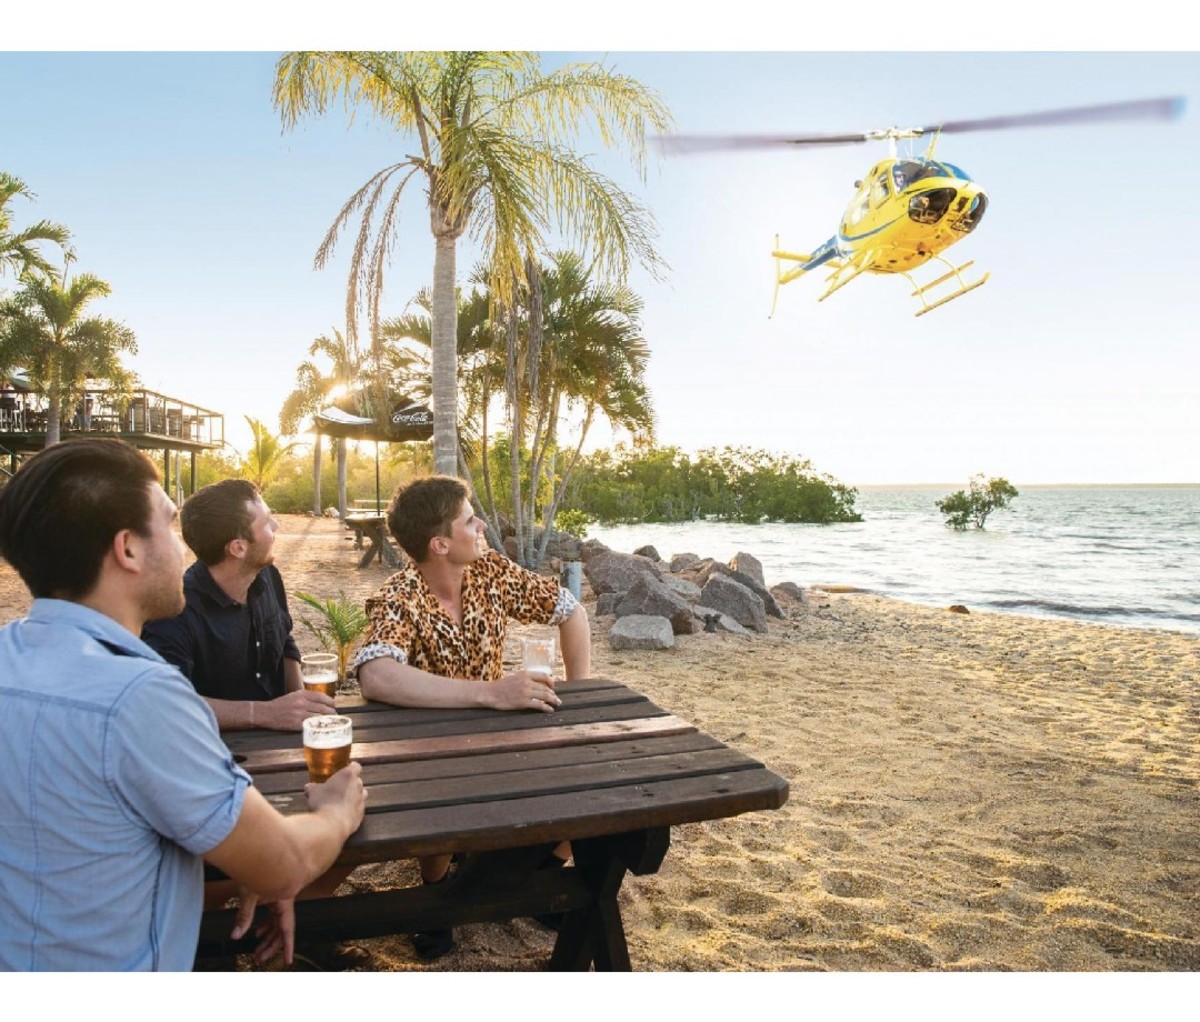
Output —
(408, 342)
(590, 360)
(494, 136)
(44, 331)
(265, 457)
(314, 390)
(19, 251)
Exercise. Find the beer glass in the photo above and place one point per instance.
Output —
(320, 672)
(326, 745)
(537, 655)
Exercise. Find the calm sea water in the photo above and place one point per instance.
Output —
(1119, 555)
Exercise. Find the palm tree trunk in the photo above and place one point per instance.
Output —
(317, 476)
(53, 417)
(445, 357)
(341, 473)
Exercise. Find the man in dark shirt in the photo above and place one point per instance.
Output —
(233, 640)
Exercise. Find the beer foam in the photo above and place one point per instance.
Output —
(327, 732)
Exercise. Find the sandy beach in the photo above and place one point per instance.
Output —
(975, 792)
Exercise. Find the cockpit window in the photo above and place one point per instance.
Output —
(905, 172)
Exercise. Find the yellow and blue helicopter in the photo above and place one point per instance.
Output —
(907, 211)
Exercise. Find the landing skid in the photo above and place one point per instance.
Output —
(955, 274)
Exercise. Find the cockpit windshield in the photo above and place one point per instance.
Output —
(905, 172)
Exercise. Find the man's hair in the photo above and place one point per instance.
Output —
(60, 512)
(216, 514)
(423, 509)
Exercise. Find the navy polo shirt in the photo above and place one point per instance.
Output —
(229, 650)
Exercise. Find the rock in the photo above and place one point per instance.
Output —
(788, 591)
(958, 608)
(647, 551)
(606, 603)
(750, 565)
(590, 547)
(772, 608)
(641, 631)
(681, 561)
(611, 572)
(561, 545)
(715, 621)
(684, 587)
(649, 596)
(731, 597)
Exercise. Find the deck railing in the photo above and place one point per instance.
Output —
(142, 413)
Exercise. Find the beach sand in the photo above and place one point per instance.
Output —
(968, 792)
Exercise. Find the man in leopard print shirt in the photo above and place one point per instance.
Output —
(437, 627)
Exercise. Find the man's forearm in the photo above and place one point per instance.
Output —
(575, 638)
(388, 681)
(234, 714)
(293, 680)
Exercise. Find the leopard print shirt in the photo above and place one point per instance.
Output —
(408, 623)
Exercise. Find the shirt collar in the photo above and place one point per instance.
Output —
(198, 577)
(99, 626)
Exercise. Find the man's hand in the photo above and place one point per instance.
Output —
(288, 713)
(524, 690)
(277, 932)
(342, 793)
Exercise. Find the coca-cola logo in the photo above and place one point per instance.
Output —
(413, 417)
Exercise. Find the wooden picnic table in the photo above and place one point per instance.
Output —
(372, 526)
(609, 771)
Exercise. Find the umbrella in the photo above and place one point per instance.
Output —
(409, 420)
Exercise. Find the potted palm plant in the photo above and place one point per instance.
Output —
(340, 624)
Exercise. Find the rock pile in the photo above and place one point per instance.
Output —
(654, 600)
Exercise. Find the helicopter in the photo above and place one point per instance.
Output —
(906, 211)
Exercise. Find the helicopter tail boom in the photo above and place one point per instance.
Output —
(804, 262)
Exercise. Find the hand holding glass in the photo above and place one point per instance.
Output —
(537, 655)
(327, 741)
(319, 672)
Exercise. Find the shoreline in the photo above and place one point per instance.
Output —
(983, 792)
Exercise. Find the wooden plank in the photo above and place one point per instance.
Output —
(553, 758)
(582, 814)
(475, 743)
(468, 792)
(395, 723)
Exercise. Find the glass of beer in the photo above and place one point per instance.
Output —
(326, 745)
(537, 654)
(320, 672)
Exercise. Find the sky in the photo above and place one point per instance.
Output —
(1076, 363)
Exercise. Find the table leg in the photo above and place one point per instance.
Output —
(595, 936)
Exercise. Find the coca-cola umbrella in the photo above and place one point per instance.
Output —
(409, 420)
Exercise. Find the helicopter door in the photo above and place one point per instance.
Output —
(880, 191)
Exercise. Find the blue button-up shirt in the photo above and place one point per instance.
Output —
(116, 783)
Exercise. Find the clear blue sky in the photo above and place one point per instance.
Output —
(1077, 362)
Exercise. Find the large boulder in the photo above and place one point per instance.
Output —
(681, 561)
(683, 587)
(750, 565)
(612, 572)
(649, 596)
(606, 603)
(648, 551)
(561, 546)
(759, 590)
(731, 597)
(589, 548)
(641, 631)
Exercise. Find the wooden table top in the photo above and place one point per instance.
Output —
(608, 761)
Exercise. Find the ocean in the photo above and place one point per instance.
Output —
(1118, 555)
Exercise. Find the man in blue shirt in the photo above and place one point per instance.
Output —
(233, 640)
(119, 784)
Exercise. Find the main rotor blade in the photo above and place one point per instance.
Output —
(1163, 109)
(672, 145)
